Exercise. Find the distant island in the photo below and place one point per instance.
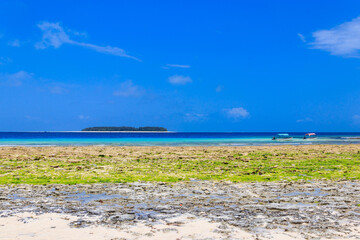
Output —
(126, 129)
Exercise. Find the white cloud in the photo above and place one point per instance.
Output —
(302, 37)
(21, 78)
(219, 88)
(128, 89)
(237, 113)
(83, 117)
(54, 35)
(14, 43)
(4, 60)
(167, 66)
(179, 80)
(16, 79)
(307, 119)
(342, 40)
(77, 33)
(107, 50)
(194, 117)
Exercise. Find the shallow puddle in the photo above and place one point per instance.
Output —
(85, 198)
(316, 193)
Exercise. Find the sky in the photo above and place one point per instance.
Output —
(237, 66)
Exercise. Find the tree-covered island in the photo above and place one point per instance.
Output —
(126, 129)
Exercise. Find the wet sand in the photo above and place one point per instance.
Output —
(183, 210)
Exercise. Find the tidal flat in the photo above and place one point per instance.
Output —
(113, 193)
(97, 164)
(182, 210)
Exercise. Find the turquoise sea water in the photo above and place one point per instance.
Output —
(166, 139)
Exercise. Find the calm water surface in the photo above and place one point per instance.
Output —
(168, 139)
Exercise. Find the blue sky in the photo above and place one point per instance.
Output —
(184, 65)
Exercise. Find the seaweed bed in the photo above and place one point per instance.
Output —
(95, 164)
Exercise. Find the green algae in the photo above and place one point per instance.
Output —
(218, 164)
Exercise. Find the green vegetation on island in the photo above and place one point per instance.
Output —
(126, 129)
(74, 165)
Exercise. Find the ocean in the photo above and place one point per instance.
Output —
(169, 138)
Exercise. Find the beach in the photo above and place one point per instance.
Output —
(104, 192)
(179, 120)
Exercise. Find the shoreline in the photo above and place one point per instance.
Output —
(91, 132)
(169, 138)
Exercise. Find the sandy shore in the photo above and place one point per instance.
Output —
(192, 209)
(184, 210)
(53, 226)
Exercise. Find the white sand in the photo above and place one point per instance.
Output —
(51, 226)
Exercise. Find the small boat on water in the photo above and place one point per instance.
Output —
(310, 136)
(282, 136)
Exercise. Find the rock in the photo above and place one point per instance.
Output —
(79, 223)
(121, 218)
(257, 207)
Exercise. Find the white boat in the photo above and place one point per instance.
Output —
(282, 136)
(310, 136)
